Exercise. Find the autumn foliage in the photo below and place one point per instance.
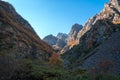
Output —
(56, 60)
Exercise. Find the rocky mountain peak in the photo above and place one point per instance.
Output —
(62, 36)
(51, 35)
(97, 31)
(17, 35)
(74, 32)
(115, 2)
(111, 11)
(9, 10)
(75, 29)
(50, 39)
(18, 43)
(57, 42)
(72, 37)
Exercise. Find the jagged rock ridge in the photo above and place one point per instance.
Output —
(96, 31)
(57, 42)
(64, 42)
(72, 39)
(50, 39)
(62, 36)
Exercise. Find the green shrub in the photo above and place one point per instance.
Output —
(102, 77)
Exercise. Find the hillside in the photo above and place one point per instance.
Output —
(91, 52)
(105, 58)
(96, 31)
(19, 44)
(72, 38)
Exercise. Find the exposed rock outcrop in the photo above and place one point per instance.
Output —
(73, 34)
(105, 58)
(72, 39)
(62, 36)
(17, 33)
(18, 42)
(51, 40)
(96, 31)
(56, 42)
(64, 42)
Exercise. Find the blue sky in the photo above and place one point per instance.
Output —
(54, 16)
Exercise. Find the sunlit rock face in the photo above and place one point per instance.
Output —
(74, 32)
(101, 23)
(97, 31)
(72, 39)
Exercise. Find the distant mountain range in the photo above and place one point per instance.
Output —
(85, 46)
(64, 42)
(92, 49)
(57, 42)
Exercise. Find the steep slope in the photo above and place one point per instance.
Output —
(103, 22)
(57, 42)
(105, 58)
(15, 30)
(18, 43)
(73, 34)
(97, 30)
(72, 39)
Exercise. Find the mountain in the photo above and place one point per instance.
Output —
(73, 34)
(72, 39)
(92, 49)
(63, 42)
(96, 32)
(57, 42)
(104, 58)
(19, 44)
(62, 36)
(50, 39)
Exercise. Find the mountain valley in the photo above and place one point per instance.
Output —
(89, 52)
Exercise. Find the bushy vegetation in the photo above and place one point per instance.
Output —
(38, 70)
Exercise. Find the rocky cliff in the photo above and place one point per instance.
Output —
(72, 39)
(101, 26)
(57, 42)
(50, 39)
(73, 34)
(96, 31)
(18, 42)
(63, 42)
(105, 58)
(62, 36)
